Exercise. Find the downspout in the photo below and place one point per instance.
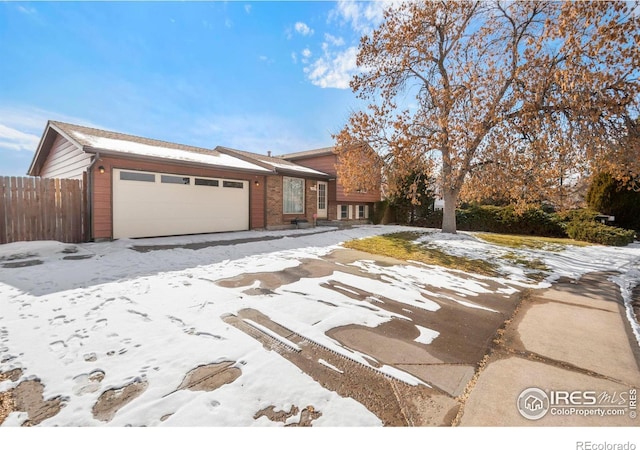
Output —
(94, 160)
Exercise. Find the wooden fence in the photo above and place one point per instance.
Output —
(33, 209)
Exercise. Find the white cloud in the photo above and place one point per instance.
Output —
(247, 8)
(13, 139)
(27, 10)
(333, 40)
(21, 127)
(294, 57)
(338, 65)
(265, 59)
(333, 69)
(228, 23)
(363, 17)
(303, 29)
(306, 54)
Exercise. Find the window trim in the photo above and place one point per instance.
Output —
(365, 211)
(134, 175)
(198, 181)
(175, 179)
(284, 195)
(232, 184)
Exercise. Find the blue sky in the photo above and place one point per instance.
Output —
(256, 76)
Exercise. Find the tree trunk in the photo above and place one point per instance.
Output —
(449, 212)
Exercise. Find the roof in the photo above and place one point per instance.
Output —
(93, 140)
(309, 153)
(277, 164)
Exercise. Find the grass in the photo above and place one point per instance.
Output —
(534, 264)
(530, 242)
(402, 246)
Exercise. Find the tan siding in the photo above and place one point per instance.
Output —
(65, 160)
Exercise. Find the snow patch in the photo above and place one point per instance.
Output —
(427, 335)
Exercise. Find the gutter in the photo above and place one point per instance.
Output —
(94, 160)
(178, 162)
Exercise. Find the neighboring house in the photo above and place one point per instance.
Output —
(139, 187)
(341, 205)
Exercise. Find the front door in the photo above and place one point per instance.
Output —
(322, 200)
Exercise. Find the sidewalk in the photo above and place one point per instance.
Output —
(574, 344)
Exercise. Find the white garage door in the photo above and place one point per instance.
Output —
(149, 204)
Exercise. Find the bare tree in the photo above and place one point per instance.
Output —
(502, 96)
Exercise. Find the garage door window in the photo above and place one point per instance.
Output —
(233, 184)
(206, 182)
(138, 176)
(293, 193)
(171, 179)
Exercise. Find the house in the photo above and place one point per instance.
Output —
(533, 403)
(140, 187)
(341, 205)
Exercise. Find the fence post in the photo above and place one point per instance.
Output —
(86, 226)
(4, 200)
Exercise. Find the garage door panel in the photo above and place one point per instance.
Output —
(145, 209)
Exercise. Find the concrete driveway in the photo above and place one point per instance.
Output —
(572, 337)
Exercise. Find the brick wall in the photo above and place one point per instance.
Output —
(274, 203)
(311, 199)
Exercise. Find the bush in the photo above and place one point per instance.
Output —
(599, 233)
(581, 225)
(379, 210)
(578, 224)
(501, 219)
(612, 197)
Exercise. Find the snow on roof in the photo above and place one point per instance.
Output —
(122, 143)
(275, 162)
(289, 166)
(309, 153)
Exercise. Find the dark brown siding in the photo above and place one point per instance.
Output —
(337, 194)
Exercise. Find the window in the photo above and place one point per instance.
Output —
(233, 184)
(172, 179)
(293, 195)
(344, 211)
(138, 176)
(206, 182)
(362, 212)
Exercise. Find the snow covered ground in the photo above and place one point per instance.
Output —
(153, 316)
